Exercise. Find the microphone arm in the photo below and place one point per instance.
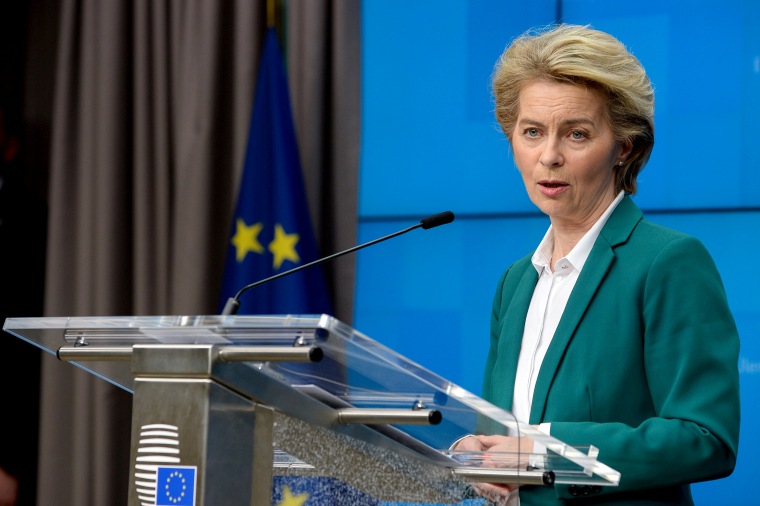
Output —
(233, 303)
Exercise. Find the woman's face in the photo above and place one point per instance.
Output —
(566, 152)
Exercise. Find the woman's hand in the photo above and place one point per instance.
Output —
(501, 451)
(469, 444)
(505, 451)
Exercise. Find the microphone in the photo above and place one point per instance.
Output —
(435, 220)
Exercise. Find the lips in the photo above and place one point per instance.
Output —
(552, 188)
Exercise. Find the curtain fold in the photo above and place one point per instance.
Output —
(323, 47)
(151, 111)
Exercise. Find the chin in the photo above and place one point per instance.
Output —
(546, 205)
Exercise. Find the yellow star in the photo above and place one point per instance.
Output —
(283, 247)
(247, 239)
(288, 499)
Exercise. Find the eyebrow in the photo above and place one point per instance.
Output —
(563, 123)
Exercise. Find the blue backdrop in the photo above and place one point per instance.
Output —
(430, 143)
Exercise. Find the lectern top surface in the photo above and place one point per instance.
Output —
(355, 372)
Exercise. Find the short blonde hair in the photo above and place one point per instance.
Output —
(587, 57)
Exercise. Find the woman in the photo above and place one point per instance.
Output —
(616, 332)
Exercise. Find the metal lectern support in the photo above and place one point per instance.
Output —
(173, 389)
(181, 415)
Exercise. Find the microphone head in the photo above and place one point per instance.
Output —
(437, 219)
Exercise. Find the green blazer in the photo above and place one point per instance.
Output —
(643, 364)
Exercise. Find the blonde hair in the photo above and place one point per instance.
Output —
(587, 57)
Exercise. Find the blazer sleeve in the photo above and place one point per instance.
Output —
(691, 348)
(493, 349)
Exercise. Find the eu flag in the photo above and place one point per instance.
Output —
(271, 229)
(175, 486)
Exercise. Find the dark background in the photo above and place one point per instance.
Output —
(27, 63)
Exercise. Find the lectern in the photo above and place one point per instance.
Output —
(224, 405)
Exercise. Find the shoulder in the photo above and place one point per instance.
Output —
(658, 242)
(516, 271)
(668, 261)
(629, 230)
(517, 274)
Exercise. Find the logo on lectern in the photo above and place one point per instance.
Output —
(160, 478)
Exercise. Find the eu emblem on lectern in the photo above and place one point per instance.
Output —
(160, 478)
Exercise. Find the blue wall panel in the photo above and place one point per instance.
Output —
(429, 143)
(702, 57)
(428, 136)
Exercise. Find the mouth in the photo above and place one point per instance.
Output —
(552, 183)
(552, 187)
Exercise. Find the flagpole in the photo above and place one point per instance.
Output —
(271, 13)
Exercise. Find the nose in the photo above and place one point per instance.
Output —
(551, 155)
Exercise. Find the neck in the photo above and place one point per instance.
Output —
(567, 233)
(564, 242)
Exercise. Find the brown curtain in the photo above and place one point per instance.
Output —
(152, 101)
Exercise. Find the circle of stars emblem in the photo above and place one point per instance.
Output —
(173, 488)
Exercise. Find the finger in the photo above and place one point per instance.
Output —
(495, 494)
(493, 488)
(471, 444)
(492, 439)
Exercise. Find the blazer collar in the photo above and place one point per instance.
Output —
(620, 226)
(616, 231)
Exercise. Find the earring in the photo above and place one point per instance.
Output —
(620, 164)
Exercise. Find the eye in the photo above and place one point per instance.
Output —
(578, 135)
(532, 132)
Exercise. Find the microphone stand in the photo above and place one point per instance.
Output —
(232, 305)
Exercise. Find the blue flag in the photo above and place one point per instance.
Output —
(175, 486)
(271, 229)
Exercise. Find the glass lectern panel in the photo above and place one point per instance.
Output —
(355, 373)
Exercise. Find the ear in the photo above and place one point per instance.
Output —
(626, 147)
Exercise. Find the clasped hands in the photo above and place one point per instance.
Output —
(500, 451)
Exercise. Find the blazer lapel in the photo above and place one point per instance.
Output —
(511, 338)
(618, 228)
